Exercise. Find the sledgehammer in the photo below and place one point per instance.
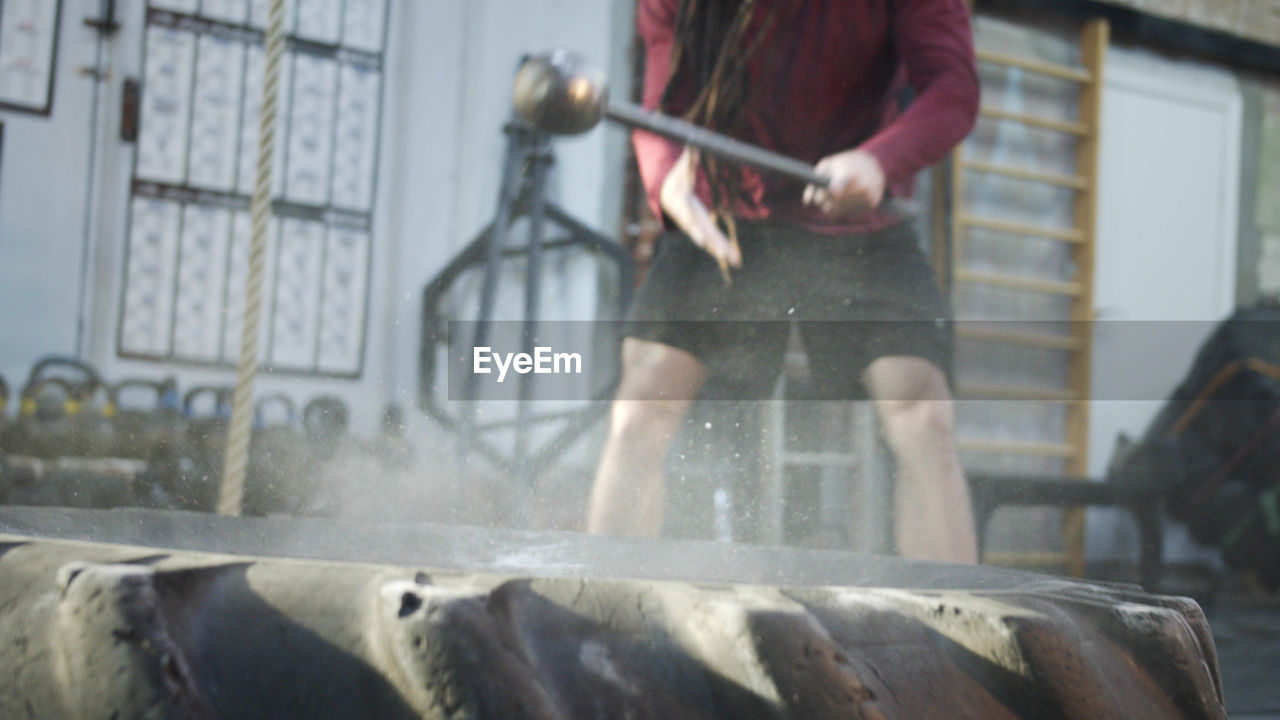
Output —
(561, 94)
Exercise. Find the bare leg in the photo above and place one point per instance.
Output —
(933, 511)
(659, 383)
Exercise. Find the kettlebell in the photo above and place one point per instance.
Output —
(391, 446)
(324, 420)
(277, 479)
(94, 419)
(193, 482)
(146, 432)
(42, 428)
(79, 428)
(80, 371)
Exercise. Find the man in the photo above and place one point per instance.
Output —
(817, 80)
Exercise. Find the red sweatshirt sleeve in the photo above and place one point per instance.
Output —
(655, 155)
(935, 45)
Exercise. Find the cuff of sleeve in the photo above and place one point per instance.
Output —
(896, 170)
(655, 156)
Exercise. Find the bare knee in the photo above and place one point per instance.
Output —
(652, 371)
(913, 401)
(646, 424)
(911, 425)
(658, 385)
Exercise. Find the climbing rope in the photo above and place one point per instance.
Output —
(231, 495)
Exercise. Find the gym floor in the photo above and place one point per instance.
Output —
(1246, 631)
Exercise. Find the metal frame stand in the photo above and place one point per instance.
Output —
(526, 167)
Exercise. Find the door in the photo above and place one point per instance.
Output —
(1166, 250)
(1165, 268)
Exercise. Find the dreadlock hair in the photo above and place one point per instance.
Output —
(711, 53)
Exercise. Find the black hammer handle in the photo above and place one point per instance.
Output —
(713, 142)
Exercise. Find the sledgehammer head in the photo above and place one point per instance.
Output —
(560, 93)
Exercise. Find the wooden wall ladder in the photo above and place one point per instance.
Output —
(1072, 449)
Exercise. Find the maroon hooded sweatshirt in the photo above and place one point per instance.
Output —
(827, 80)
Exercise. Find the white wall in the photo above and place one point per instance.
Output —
(44, 168)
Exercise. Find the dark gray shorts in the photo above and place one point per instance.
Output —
(854, 298)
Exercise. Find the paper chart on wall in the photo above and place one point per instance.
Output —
(166, 105)
(214, 120)
(233, 12)
(355, 138)
(310, 144)
(149, 270)
(343, 301)
(178, 6)
(197, 325)
(28, 41)
(320, 21)
(296, 315)
(363, 23)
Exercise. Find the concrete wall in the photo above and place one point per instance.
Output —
(1257, 20)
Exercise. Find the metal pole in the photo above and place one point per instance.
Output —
(517, 139)
(540, 159)
(231, 495)
(713, 142)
